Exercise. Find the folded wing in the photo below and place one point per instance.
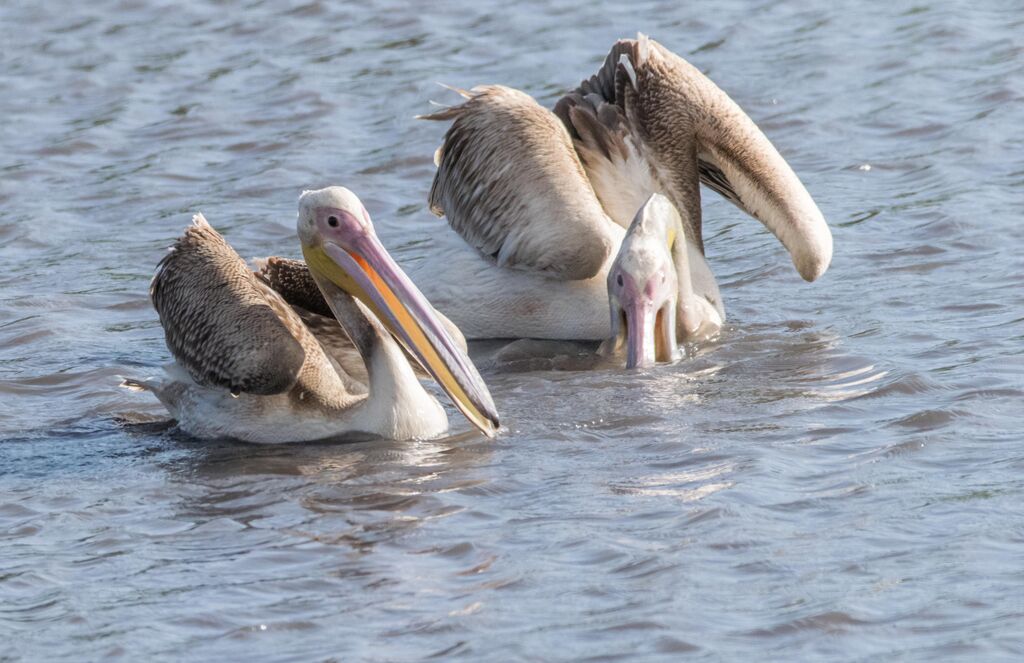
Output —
(224, 326)
(510, 183)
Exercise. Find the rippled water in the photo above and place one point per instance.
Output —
(839, 478)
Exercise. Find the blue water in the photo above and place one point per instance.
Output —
(839, 477)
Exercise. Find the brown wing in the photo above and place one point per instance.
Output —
(292, 280)
(510, 183)
(226, 328)
(690, 131)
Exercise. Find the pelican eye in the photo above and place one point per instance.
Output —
(618, 279)
(332, 221)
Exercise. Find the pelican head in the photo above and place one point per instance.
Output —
(342, 249)
(643, 288)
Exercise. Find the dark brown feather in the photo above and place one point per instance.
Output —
(226, 328)
(633, 109)
(292, 280)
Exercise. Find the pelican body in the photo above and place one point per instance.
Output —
(543, 199)
(252, 366)
(651, 293)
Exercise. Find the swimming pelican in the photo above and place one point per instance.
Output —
(650, 289)
(248, 367)
(544, 197)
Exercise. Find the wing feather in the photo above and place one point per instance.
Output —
(510, 183)
(616, 165)
(293, 281)
(222, 325)
(688, 131)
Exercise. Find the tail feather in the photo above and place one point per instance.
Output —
(449, 112)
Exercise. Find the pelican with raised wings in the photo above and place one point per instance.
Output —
(249, 366)
(544, 198)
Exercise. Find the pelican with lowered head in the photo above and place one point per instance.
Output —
(651, 294)
(545, 197)
(248, 367)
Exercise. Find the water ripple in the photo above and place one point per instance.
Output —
(835, 478)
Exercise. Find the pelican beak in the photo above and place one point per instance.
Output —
(364, 269)
(650, 334)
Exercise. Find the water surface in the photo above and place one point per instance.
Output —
(839, 478)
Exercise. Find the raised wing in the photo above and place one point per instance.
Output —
(511, 184)
(225, 327)
(615, 161)
(686, 130)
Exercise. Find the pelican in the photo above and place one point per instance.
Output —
(542, 199)
(650, 285)
(247, 366)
